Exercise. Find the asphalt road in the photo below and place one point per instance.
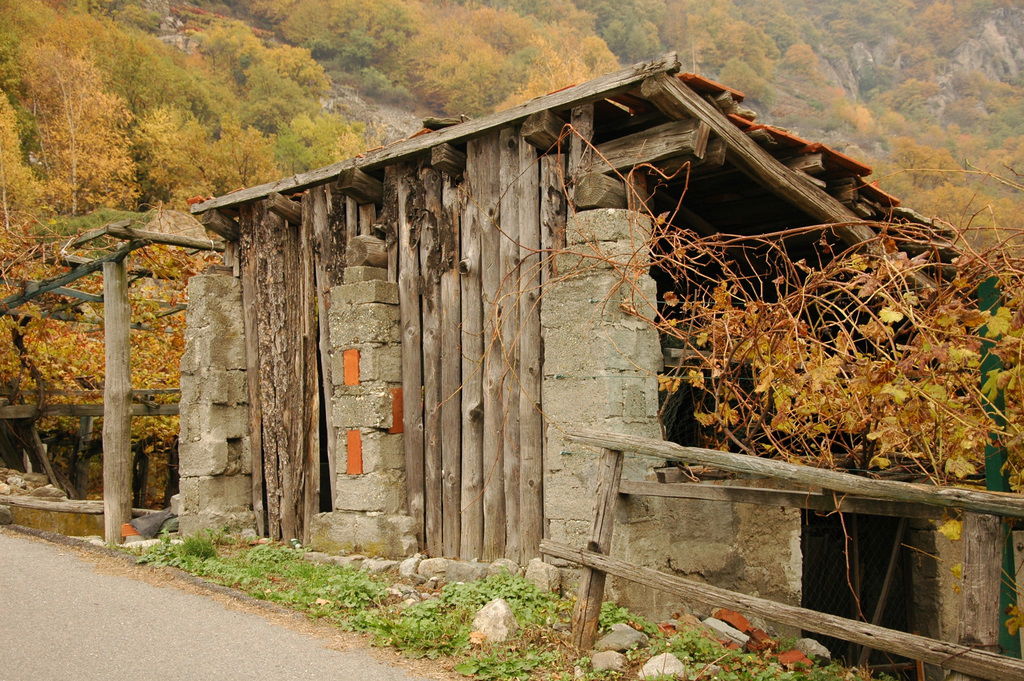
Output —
(61, 619)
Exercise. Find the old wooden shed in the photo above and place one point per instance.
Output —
(391, 306)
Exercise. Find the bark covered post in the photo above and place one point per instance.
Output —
(117, 396)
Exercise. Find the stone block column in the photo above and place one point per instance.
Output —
(600, 362)
(214, 459)
(365, 356)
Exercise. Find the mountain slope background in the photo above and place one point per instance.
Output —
(184, 100)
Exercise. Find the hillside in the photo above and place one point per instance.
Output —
(202, 99)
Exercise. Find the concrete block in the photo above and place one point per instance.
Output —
(607, 224)
(224, 349)
(214, 386)
(379, 491)
(388, 536)
(222, 492)
(367, 291)
(214, 457)
(353, 325)
(362, 407)
(381, 451)
(212, 421)
(378, 363)
(353, 275)
(230, 521)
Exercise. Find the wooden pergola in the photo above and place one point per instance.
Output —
(120, 402)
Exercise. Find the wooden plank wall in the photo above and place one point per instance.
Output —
(277, 271)
(470, 268)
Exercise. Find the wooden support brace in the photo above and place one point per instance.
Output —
(591, 593)
(686, 138)
(448, 159)
(543, 129)
(595, 190)
(219, 223)
(285, 208)
(361, 186)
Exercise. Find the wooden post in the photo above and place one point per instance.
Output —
(472, 532)
(487, 193)
(591, 593)
(430, 268)
(515, 170)
(531, 422)
(247, 263)
(451, 371)
(979, 600)
(117, 396)
(410, 206)
(553, 210)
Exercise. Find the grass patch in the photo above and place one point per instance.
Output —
(440, 627)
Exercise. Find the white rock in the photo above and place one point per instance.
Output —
(503, 565)
(812, 649)
(665, 664)
(495, 621)
(407, 568)
(317, 557)
(465, 571)
(621, 638)
(433, 567)
(378, 566)
(175, 505)
(608, 660)
(135, 542)
(726, 630)
(546, 577)
(353, 561)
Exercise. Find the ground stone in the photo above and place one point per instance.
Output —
(811, 648)
(349, 561)
(407, 568)
(608, 660)
(48, 492)
(729, 632)
(665, 664)
(378, 566)
(495, 621)
(621, 638)
(503, 565)
(5, 515)
(465, 571)
(433, 568)
(317, 557)
(137, 542)
(546, 577)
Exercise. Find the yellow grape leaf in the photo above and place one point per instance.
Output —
(879, 462)
(890, 316)
(952, 530)
(998, 324)
(1015, 620)
(958, 570)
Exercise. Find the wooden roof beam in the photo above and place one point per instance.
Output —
(122, 229)
(591, 91)
(676, 100)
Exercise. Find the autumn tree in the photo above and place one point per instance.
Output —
(82, 130)
(19, 188)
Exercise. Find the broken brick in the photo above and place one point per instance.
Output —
(733, 619)
(792, 658)
(759, 641)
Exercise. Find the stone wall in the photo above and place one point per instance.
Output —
(214, 459)
(600, 372)
(365, 356)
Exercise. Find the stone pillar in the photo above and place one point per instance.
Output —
(600, 372)
(214, 459)
(600, 362)
(365, 355)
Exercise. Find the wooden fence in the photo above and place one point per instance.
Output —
(980, 612)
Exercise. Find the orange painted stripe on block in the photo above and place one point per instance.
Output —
(350, 360)
(354, 453)
(397, 409)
